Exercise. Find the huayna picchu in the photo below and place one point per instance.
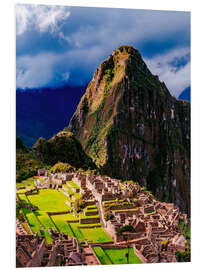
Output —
(132, 128)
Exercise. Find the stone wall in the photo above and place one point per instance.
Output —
(58, 213)
(89, 220)
(91, 213)
(52, 257)
(37, 255)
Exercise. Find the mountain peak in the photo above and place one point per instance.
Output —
(132, 127)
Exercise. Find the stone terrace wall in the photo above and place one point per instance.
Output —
(52, 257)
(89, 220)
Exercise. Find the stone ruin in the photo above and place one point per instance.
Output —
(156, 233)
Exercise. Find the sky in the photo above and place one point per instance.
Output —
(58, 45)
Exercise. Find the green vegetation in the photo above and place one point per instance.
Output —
(101, 255)
(32, 220)
(115, 256)
(73, 184)
(47, 236)
(65, 148)
(44, 219)
(25, 226)
(62, 167)
(184, 256)
(62, 225)
(26, 162)
(126, 228)
(49, 200)
(96, 235)
(118, 256)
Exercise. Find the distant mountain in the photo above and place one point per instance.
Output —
(133, 128)
(185, 95)
(44, 112)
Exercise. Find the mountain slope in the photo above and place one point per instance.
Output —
(63, 147)
(26, 163)
(132, 127)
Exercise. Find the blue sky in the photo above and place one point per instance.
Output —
(58, 45)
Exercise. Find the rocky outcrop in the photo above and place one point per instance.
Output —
(132, 128)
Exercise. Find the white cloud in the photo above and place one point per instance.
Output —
(175, 81)
(35, 71)
(65, 76)
(41, 18)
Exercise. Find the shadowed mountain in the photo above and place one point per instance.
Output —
(132, 128)
(63, 147)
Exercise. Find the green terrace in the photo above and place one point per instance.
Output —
(25, 190)
(116, 256)
(68, 189)
(73, 184)
(54, 202)
(119, 203)
(49, 200)
(91, 207)
(124, 210)
(112, 202)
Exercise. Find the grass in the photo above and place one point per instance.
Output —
(29, 182)
(20, 185)
(47, 236)
(25, 226)
(73, 184)
(117, 256)
(61, 224)
(45, 220)
(33, 222)
(21, 191)
(89, 225)
(68, 189)
(96, 235)
(103, 258)
(124, 210)
(22, 198)
(81, 215)
(77, 232)
(49, 200)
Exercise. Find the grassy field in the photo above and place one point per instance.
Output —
(49, 200)
(47, 236)
(35, 225)
(45, 220)
(73, 184)
(103, 258)
(20, 185)
(68, 189)
(96, 235)
(22, 197)
(61, 224)
(117, 256)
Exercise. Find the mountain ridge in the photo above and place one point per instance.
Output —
(126, 118)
